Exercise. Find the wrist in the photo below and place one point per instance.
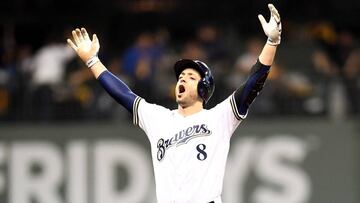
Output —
(92, 61)
(273, 42)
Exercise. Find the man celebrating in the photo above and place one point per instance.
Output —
(189, 145)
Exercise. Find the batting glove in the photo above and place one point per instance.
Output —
(272, 29)
(85, 48)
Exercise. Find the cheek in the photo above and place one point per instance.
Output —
(194, 87)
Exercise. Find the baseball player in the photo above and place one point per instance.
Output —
(189, 145)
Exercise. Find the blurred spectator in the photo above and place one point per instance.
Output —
(323, 65)
(50, 84)
(334, 60)
(245, 61)
(323, 74)
(349, 59)
(47, 75)
(212, 42)
(288, 92)
(75, 95)
(9, 84)
(193, 50)
(352, 81)
(285, 92)
(140, 62)
(165, 77)
(23, 63)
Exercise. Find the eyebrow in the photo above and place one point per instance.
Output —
(186, 73)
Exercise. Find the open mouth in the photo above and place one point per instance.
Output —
(181, 89)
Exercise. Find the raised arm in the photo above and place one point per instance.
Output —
(87, 50)
(245, 95)
(272, 30)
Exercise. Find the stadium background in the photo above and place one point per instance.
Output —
(63, 139)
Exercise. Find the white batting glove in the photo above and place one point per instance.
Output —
(86, 49)
(272, 29)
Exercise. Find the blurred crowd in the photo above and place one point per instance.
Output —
(316, 73)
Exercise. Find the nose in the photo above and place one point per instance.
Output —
(182, 80)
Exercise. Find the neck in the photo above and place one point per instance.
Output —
(190, 110)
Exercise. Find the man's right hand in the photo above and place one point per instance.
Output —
(85, 48)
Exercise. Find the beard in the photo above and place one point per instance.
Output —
(187, 100)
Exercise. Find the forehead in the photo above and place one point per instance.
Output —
(190, 71)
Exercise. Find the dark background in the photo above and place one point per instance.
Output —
(34, 20)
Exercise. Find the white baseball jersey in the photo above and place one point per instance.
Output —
(189, 153)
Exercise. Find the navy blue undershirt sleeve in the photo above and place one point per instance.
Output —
(118, 90)
(247, 93)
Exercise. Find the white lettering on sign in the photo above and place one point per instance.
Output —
(83, 171)
(276, 163)
(41, 185)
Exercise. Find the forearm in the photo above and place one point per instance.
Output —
(267, 55)
(116, 88)
(246, 94)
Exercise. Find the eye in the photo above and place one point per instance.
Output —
(192, 78)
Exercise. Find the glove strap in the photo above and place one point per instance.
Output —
(273, 42)
(94, 59)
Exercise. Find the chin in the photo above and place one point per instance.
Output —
(182, 103)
